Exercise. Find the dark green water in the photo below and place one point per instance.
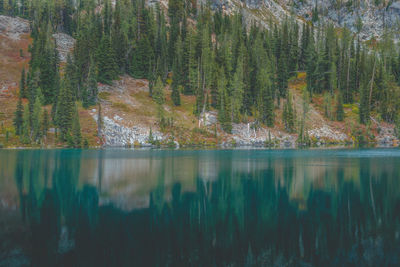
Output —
(205, 208)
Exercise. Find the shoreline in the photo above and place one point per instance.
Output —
(211, 147)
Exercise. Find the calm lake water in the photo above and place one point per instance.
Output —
(203, 208)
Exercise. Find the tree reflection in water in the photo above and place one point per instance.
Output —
(251, 220)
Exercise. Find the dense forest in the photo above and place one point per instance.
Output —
(238, 68)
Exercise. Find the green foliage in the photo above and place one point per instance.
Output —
(176, 96)
(22, 85)
(158, 92)
(18, 117)
(288, 115)
(364, 106)
(65, 111)
(241, 71)
(328, 110)
(45, 123)
(339, 108)
(266, 98)
(106, 66)
(37, 117)
(76, 136)
(142, 58)
(26, 127)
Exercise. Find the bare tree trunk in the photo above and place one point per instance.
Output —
(372, 83)
(348, 76)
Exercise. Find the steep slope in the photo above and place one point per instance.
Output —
(14, 56)
(374, 17)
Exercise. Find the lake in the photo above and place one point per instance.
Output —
(120, 207)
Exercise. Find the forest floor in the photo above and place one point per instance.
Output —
(129, 112)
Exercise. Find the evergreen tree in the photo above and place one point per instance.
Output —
(224, 112)
(45, 123)
(64, 113)
(364, 105)
(71, 77)
(288, 115)
(267, 102)
(106, 65)
(118, 39)
(37, 117)
(76, 130)
(92, 89)
(22, 85)
(142, 58)
(159, 98)
(328, 106)
(158, 92)
(339, 108)
(26, 127)
(237, 90)
(175, 95)
(18, 119)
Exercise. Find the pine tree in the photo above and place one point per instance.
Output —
(45, 123)
(237, 89)
(18, 119)
(311, 68)
(26, 127)
(282, 75)
(224, 112)
(76, 130)
(92, 89)
(364, 105)
(175, 95)
(71, 77)
(267, 101)
(328, 106)
(288, 115)
(158, 92)
(37, 117)
(142, 58)
(159, 98)
(339, 108)
(118, 39)
(106, 65)
(22, 85)
(64, 113)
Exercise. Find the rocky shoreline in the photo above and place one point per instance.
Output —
(244, 135)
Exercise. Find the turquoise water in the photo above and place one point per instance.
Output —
(205, 208)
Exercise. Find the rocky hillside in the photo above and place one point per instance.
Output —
(349, 13)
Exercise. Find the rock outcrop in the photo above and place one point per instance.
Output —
(13, 27)
(65, 43)
(374, 18)
(115, 134)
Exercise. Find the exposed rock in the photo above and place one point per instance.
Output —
(326, 133)
(13, 28)
(386, 134)
(374, 18)
(65, 43)
(250, 135)
(208, 118)
(117, 135)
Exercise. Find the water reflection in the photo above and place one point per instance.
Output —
(208, 208)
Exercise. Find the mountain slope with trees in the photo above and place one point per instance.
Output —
(243, 72)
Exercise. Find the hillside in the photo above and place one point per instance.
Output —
(230, 85)
(373, 16)
(129, 113)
